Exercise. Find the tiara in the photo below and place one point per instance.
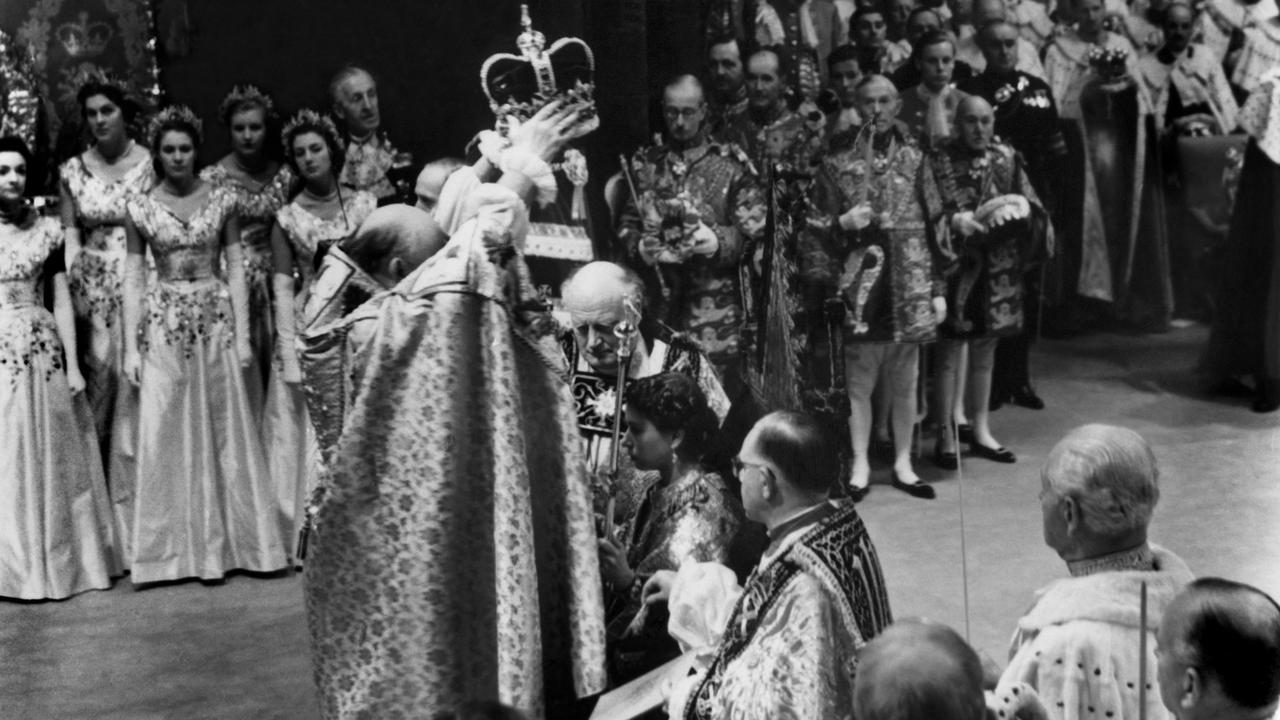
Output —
(307, 119)
(244, 95)
(178, 115)
(91, 74)
(519, 85)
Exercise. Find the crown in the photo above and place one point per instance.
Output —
(518, 85)
(83, 39)
(307, 119)
(244, 95)
(174, 115)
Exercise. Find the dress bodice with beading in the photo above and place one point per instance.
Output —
(27, 329)
(183, 249)
(99, 202)
(306, 232)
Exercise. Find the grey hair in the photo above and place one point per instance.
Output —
(1111, 473)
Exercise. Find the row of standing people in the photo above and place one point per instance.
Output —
(185, 288)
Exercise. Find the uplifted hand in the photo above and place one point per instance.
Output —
(546, 133)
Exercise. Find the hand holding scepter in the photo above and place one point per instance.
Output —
(626, 331)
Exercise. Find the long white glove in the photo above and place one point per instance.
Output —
(135, 287)
(239, 287)
(286, 328)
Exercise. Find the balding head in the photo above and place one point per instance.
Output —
(918, 670)
(1100, 485)
(1218, 651)
(393, 241)
(431, 181)
(595, 297)
(975, 123)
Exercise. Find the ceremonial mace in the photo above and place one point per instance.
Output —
(626, 331)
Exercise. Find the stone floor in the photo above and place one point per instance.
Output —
(239, 649)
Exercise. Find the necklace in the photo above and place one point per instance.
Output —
(320, 198)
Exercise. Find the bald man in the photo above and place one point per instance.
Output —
(696, 207)
(977, 195)
(988, 11)
(391, 243)
(1218, 652)
(431, 182)
(865, 242)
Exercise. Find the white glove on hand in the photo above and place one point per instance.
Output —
(963, 224)
(857, 218)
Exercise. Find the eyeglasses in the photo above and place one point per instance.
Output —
(739, 466)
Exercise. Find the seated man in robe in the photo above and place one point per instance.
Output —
(929, 109)
(921, 22)
(595, 299)
(865, 242)
(1219, 652)
(786, 644)
(925, 670)
(986, 11)
(696, 210)
(1078, 644)
(1188, 89)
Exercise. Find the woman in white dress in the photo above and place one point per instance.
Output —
(320, 214)
(204, 504)
(260, 184)
(95, 185)
(56, 534)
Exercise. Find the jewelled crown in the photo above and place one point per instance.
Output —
(174, 115)
(241, 95)
(519, 85)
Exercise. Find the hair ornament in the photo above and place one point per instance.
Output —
(309, 120)
(171, 117)
(244, 95)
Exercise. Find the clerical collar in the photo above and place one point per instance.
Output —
(807, 516)
(1138, 558)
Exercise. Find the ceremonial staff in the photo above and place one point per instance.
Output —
(626, 331)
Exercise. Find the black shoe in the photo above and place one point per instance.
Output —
(1027, 398)
(1000, 454)
(946, 460)
(916, 489)
(857, 494)
(965, 431)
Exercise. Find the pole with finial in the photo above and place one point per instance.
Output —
(627, 330)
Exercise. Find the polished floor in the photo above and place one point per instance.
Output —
(239, 649)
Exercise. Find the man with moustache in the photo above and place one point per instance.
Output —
(770, 132)
(370, 155)
(726, 84)
(1185, 80)
(968, 50)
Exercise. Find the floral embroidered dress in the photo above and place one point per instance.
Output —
(256, 207)
(204, 504)
(56, 534)
(95, 281)
(286, 424)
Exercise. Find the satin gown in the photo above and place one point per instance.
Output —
(256, 207)
(95, 281)
(204, 504)
(56, 532)
(289, 435)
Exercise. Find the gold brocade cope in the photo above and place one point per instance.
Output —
(455, 555)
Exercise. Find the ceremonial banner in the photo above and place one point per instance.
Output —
(66, 40)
